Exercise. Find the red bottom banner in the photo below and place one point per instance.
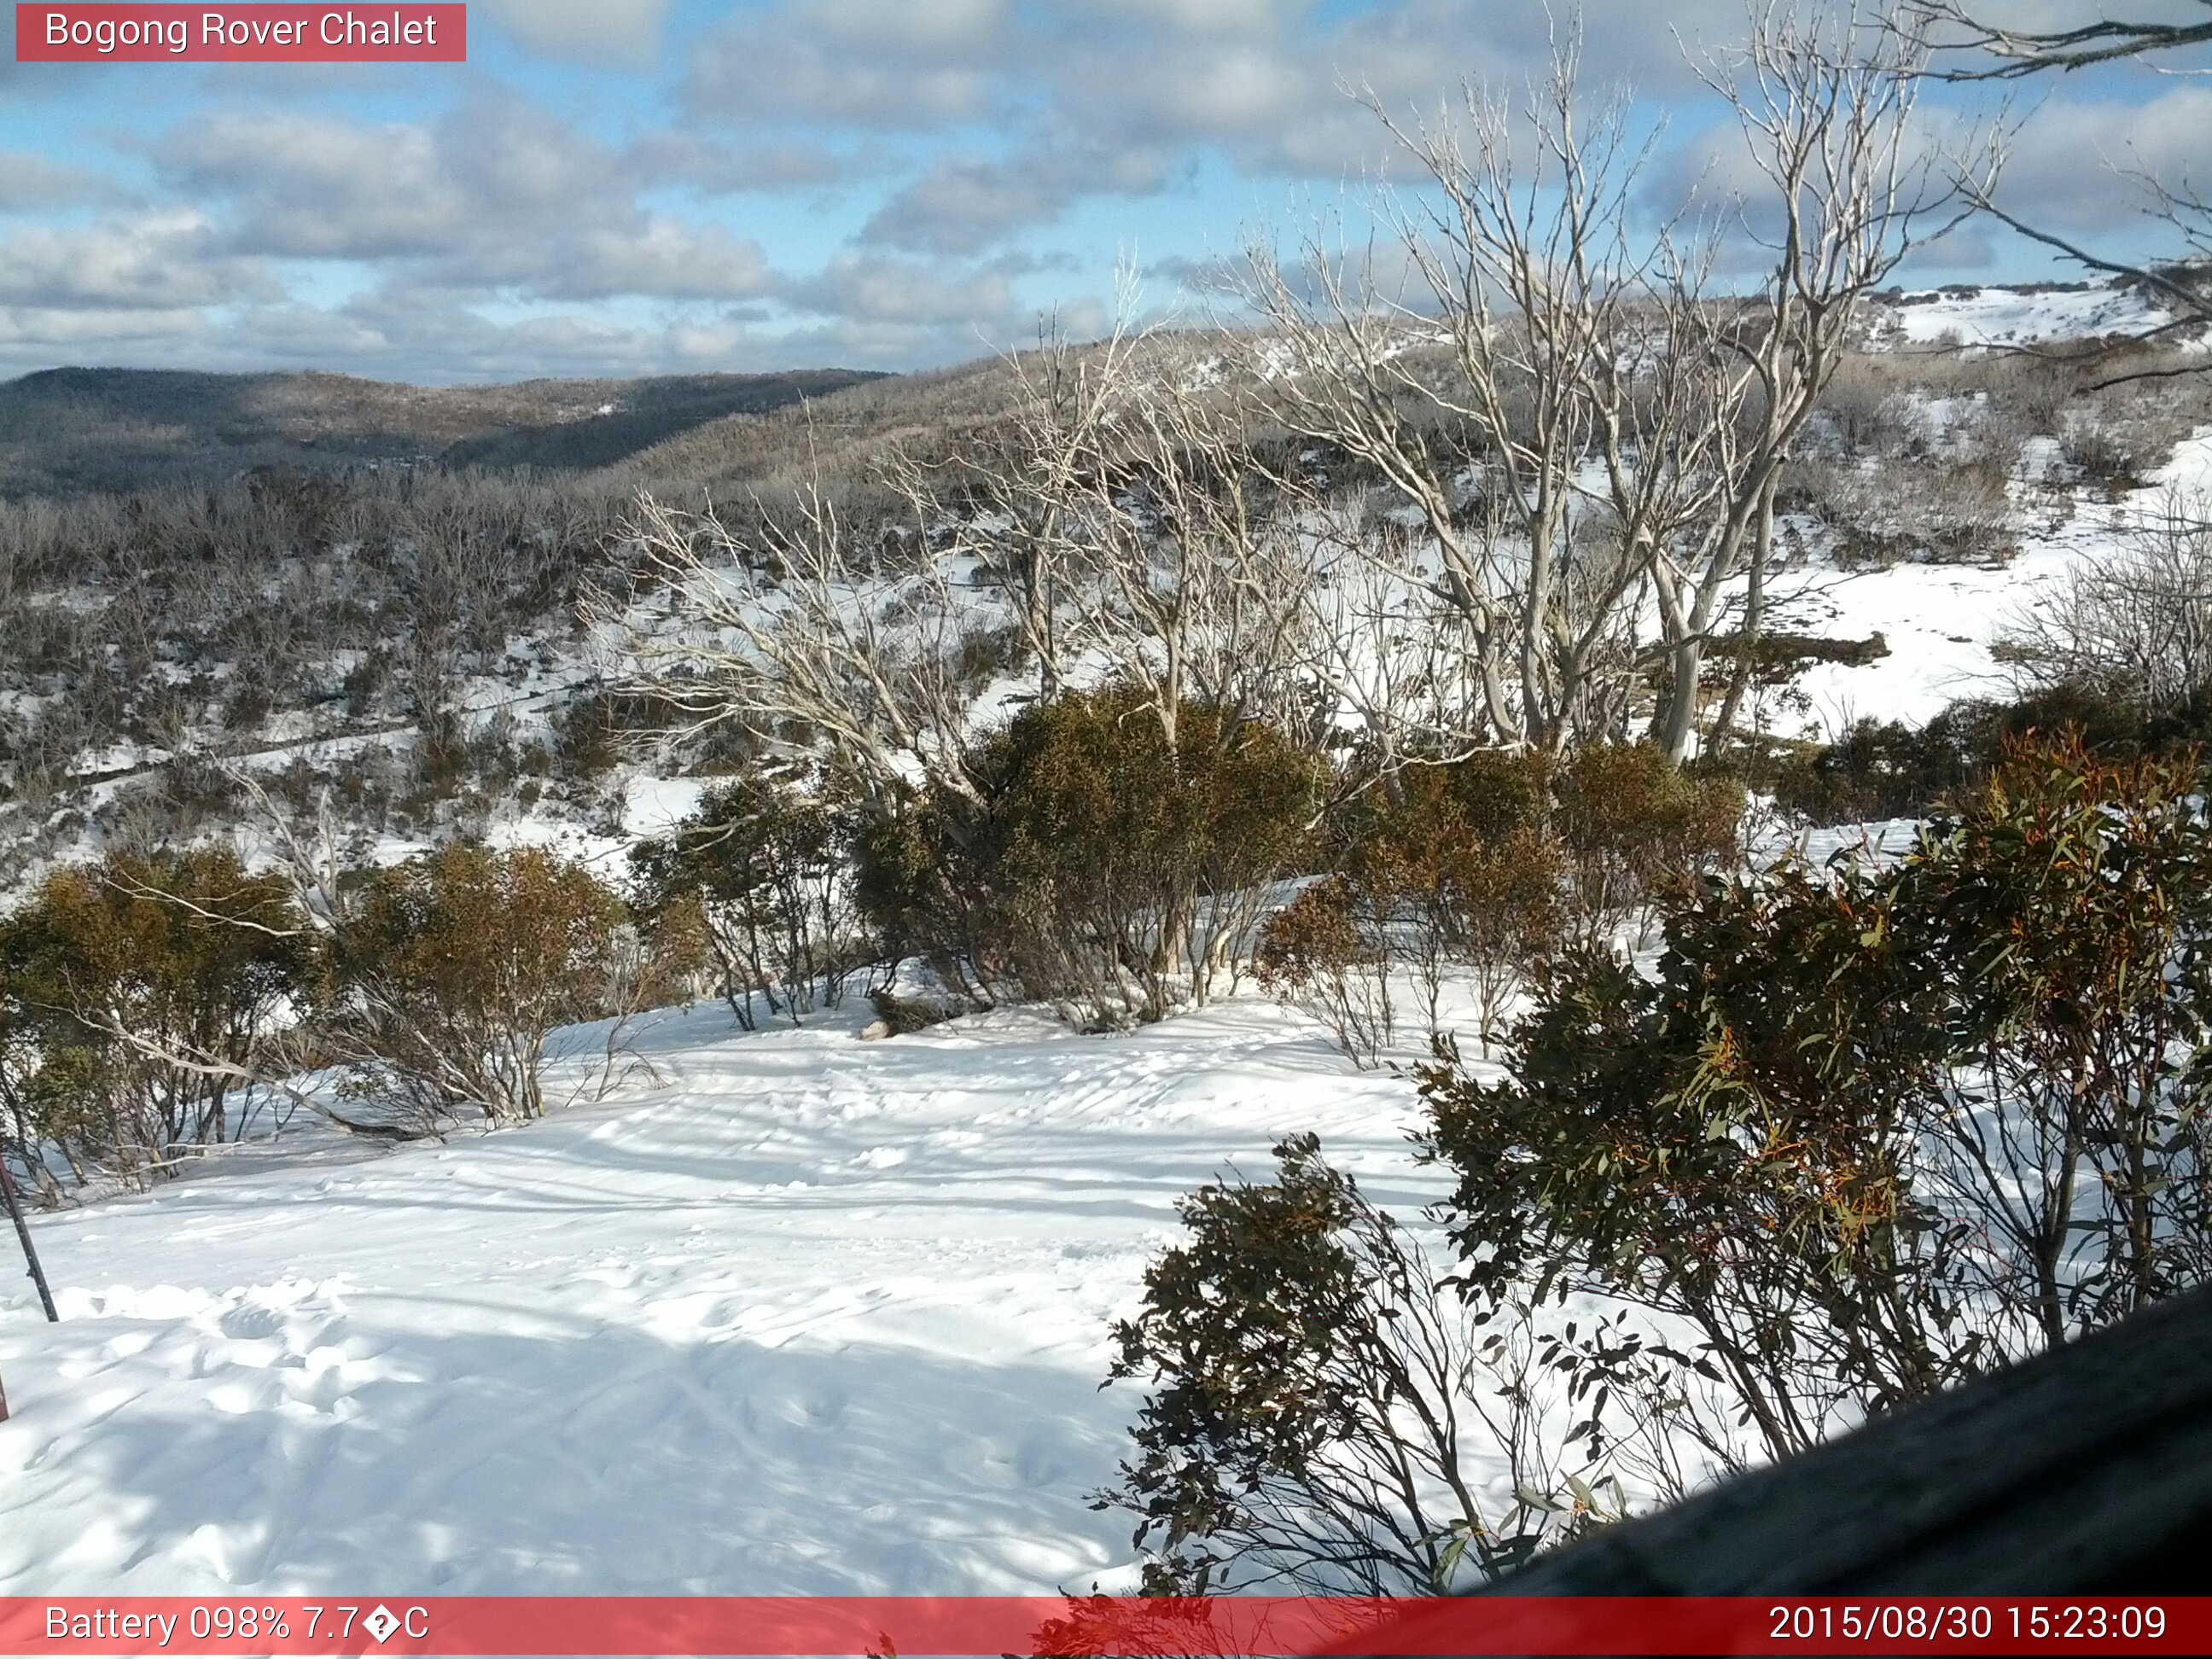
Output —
(909, 1627)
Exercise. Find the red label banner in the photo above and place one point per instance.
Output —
(233, 33)
(911, 1627)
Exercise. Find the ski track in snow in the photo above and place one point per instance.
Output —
(810, 1315)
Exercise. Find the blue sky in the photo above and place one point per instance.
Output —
(636, 186)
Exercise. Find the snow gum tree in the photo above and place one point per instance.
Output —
(454, 967)
(1582, 419)
(1112, 518)
(1477, 389)
(138, 997)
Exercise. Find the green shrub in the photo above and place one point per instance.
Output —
(1326, 952)
(1438, 868)
(1874, 770)
(455, 967)
(1870, 1128)
(1638, 832)
(762, 872)
(1094, 865)
(1313, 1395)
(1479, 869)
(137, 997)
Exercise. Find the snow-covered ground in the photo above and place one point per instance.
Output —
(1940, 620)
(807, 1315)
(2021, 316)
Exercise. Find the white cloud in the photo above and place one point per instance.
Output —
(501, 193)
(1194, 17)
(869, 64)
(589, 29)
(158, 261)
(2076, 163)
(880, 288)
(28, 182)
(313, 186)
(29, 334)
(758, 163)
(965, 204)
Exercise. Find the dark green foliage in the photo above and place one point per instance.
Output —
(914, 877)
(1471, 873)
(1488, 865)
(1870, 1128)
(1884, 769)
(150, 1006)
(1484, 796)
(1722, 1145)
(2068, 908)
(1311, 1398)
(760, 873)
(1876, 770)
(1095, 863)
(1328, 952)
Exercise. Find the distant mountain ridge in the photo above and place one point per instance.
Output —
(64, 431)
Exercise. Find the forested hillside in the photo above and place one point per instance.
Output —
(72, 431)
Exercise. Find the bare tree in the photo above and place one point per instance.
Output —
(1192, 553)
(1580, 419)
(2137, 626)
(1476, 384)
(1384, 651)
(1828, 109)
(1975, 49)
(1006, 497)
(1117, 517)
(790, 631)
(2024, 52)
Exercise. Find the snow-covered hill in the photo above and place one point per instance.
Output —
(808, 1315)
(1939, 620)
(2017, 315)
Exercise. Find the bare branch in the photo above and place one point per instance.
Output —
(1951, 27)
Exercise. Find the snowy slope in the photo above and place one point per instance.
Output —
(1939, 619)
(813, 1315)
(2020, 316)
